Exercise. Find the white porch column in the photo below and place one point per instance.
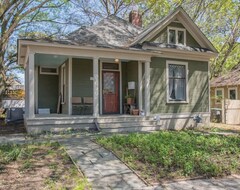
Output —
(31, 90)
(95, 87)
(147, 88)
(70, 86)
(140, 85)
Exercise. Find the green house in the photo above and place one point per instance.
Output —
(82, 81)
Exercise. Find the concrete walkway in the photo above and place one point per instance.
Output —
(106, 171)
(101, 167)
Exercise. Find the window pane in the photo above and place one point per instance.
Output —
(177, 82)
(232, 94)
(180, 37)
(219, 93)
(177, 71)
(172, 37)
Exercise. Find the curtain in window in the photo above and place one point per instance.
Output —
(177, 84)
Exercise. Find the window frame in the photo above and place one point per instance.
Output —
(216, 100)
(176, 35)
(232, 88)
(171, 62)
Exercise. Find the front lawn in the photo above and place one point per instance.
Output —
(168, 155)
(38, 166)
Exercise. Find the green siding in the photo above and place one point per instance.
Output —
(197, 88)
(190, 41)
(48, 92)
(82, 70)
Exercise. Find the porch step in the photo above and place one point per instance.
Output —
(127, 124)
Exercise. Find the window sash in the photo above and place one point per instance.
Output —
(177, 82)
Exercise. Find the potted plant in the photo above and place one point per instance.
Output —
(130, 99)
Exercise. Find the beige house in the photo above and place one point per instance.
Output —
(225, 87)
(81, 81)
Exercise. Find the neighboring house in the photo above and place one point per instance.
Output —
(226, 86)
(225, 97)
(88, 73)
(13, 96)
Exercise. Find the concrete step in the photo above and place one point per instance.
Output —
(121, 119)
(126, 124)
(131, 129)
(62, 121)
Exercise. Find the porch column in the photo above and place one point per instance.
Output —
(31, 86)
(147, 88)
(70, 86)
(140, 85)
(95, 87)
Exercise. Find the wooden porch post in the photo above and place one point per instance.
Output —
(147, 88)
(95, 87)
(31, 86)
(140, 85)
(70, 86)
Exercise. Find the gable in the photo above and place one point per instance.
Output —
(179, 15)
(162, 36)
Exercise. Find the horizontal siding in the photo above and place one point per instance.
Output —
(82, 70)
(197, 84)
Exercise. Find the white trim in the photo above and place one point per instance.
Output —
(95, 87)
(120, 82)
(70, 86)
(209, 88)
(63, 82)
(31, 91)
(216, 89)
(176, 29)
(232, 88)
(167, 80)
(140, 85)
(120, 86)
(36, 89)
(147, 89)
(48, 73)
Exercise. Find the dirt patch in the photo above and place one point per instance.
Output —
(11, 128)
(45, 166)
(225, 127)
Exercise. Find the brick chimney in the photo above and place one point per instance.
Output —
(135, 18)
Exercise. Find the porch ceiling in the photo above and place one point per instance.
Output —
(49, 60)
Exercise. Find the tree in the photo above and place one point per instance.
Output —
(17, 16)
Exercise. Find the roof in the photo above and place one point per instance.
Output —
(185, 19)
(174, 46)
(114, 32)
(110, 32)
(230, 79)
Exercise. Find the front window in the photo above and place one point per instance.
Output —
(232, 93)
(176, 36)
(219, 95)
(177, 89)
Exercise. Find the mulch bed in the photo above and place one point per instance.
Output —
(11, 128)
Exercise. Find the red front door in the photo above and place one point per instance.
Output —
(110, 92)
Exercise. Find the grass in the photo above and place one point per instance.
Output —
(47, 163)
(171, 155)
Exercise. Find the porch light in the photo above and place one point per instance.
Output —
(116, 60)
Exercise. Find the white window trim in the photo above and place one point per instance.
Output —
(63, 81)
(48, 73)
(167, 79)
(216, 89)
(232, 88)
(176, 32)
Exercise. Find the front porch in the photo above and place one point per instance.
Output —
(73, 85)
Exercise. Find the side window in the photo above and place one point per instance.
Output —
(219, 93)
(177, 82)
(232, 93)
